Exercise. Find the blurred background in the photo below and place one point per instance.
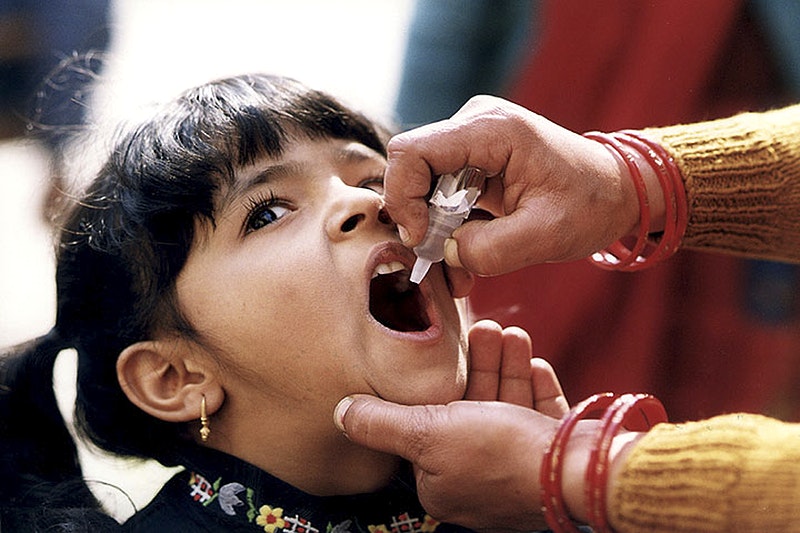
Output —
(706, 334)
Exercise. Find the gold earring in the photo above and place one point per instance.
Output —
(205, 430)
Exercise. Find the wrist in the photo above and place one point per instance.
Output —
(576, 461)
(663, 210)
(576, 471)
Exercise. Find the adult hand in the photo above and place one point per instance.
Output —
(477, 461)
(556, 195)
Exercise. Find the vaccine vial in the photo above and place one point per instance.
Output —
(450, 204)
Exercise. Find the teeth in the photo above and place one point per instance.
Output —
(388, 268)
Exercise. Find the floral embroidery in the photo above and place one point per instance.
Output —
(342, 527)
(228, 498)
(405, 523)
(298, 525)
(274, 519)
(270, 518)
(429, 524)
(251, 506)
(202, 490)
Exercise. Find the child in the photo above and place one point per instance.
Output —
(228, 276)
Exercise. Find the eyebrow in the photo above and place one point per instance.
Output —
(358, 153)
(281, 170)
(268, 174)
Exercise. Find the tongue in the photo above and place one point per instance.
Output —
(397, 304)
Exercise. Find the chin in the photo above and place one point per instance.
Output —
(447, 387)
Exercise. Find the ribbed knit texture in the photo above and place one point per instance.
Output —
(742, 177)
(738, 472)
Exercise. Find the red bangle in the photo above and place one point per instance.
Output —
(665, 246)
(553, 507)
(676, 199)
(617, 256)
(633, 412)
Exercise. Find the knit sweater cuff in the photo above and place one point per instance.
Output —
(742, 177)
(733, 472)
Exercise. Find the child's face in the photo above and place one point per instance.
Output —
(281, 287)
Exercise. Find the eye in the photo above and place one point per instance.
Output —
(264, 211)
(374, 184)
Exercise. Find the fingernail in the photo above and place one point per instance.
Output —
(403, 234)
(451, 253)
(340, 411)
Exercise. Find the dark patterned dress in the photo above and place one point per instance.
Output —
(218, 492)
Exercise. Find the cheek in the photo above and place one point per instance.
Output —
(240, 292)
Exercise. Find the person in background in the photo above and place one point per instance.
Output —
(729, 186)
(693, 331)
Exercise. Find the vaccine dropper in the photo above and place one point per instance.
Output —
(450, 204)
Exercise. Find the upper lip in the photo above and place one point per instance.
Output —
(388, 252)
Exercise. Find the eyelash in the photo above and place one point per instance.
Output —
(375, 180)
(261, 203)
(258, 205)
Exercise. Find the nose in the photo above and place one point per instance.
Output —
(352, 209)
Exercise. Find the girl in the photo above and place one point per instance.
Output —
(228, 276)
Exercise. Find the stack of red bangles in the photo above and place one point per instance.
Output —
(645, 252)
(632, 412)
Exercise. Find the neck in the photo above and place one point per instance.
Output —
(322, 462)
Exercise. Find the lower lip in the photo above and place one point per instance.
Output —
(430, 335)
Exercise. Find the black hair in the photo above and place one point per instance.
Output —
(120, 250)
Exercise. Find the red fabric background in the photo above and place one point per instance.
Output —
(680, 330)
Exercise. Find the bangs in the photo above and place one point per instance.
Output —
(248, 117)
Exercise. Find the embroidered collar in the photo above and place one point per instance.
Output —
(234, 491)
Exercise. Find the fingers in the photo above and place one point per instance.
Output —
(476, 463)
(499, 364)
(548, 397)
(409, 175)
(408, 180)
(515, 382)
(485, 360)
(502, 245)
(406, 431)
(556, 195)
(474, 136)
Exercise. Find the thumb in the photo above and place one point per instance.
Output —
(384, 426)
(490, 247)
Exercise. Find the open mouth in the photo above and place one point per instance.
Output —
(394, 301)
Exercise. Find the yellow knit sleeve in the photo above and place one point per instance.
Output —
(742, 178)
(737, 472)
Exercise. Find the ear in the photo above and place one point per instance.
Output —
(162, 379)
